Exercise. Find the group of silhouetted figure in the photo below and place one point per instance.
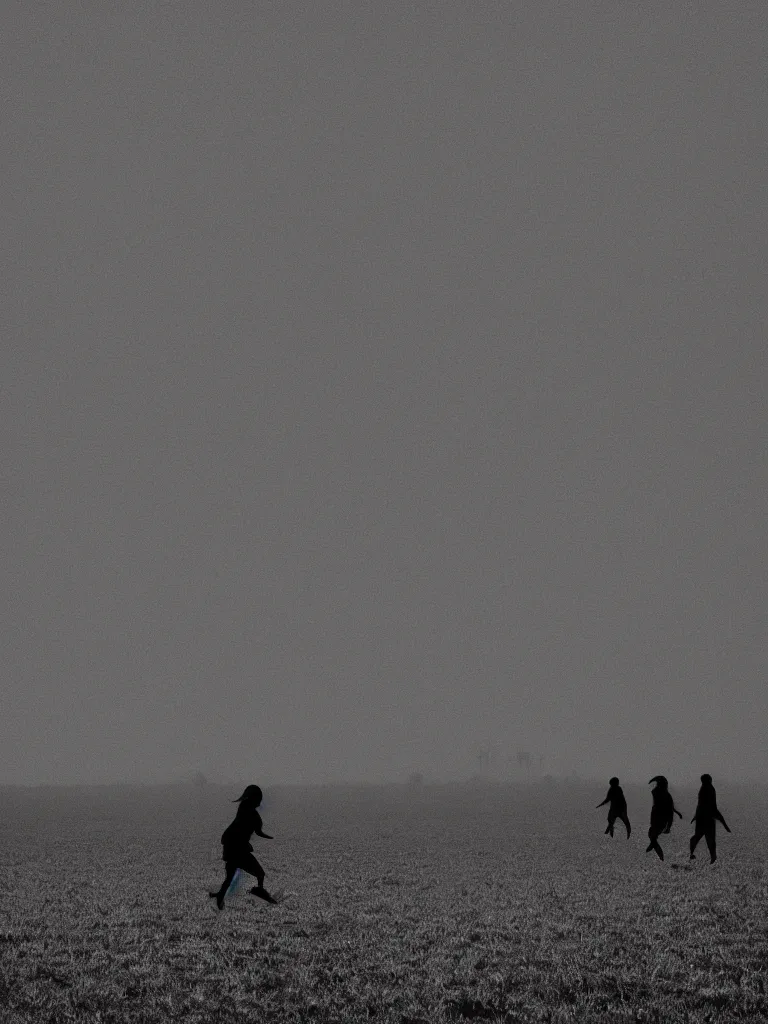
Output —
(663, 813)
(237, 852)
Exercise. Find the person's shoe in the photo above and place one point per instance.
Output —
(261, 892)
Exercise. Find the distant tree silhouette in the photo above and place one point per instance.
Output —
(524, 760)
(199, 780)
(415, 780)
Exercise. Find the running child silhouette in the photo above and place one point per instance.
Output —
(662, 814)
(706, 818)
(237, 852)
(617, 807)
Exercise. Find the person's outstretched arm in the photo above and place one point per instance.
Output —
(676, 811)
(606, 801)
(259, 830)
(721, 819)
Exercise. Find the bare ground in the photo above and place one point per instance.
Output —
(486, 903)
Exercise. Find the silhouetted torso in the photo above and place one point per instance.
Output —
(616, 800)
(236, 837)
(706, 808)
(662, 810)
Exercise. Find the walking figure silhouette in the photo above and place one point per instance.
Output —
(617, 807)
(237, 852)
(706, 817)
(662, 814)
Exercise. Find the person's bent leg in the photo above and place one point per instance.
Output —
(252, 867)
(695, 842)
(628, 827)
(653, 835)
(711, 843)
(230, 872)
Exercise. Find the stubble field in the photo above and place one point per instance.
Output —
(453, 903)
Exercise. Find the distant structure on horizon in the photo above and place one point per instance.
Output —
(492, 764)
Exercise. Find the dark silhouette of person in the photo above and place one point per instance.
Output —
(706, 817)
(617, 807)
(663, 811)
(237, 852)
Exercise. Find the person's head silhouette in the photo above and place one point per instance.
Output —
(250, 795)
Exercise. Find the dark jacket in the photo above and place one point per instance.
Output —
(706, 808)
(617, 801)
(236, 837)
(663, 810)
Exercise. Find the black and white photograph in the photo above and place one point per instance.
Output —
(384, 459)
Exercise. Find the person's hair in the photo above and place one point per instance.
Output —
(613, 782)
(249, 793)
(706, 778)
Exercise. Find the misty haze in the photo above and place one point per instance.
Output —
(383, 419)
(380, 387)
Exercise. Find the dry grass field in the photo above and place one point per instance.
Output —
(452, 903)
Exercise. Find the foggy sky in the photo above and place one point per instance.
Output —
(380, 384)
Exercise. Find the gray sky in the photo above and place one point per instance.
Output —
(383, 383)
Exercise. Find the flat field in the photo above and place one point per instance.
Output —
(495, 903)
